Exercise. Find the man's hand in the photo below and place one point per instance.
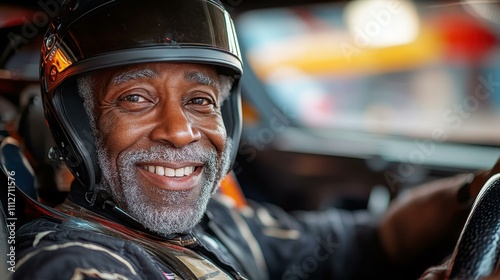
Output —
(436, 273)
(442, 271)
(481, 178)
(430, 215)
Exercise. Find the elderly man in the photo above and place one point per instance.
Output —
(142, 99)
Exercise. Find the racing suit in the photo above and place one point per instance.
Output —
(255, 242)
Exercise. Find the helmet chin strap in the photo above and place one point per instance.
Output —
(93, 196)
(103, 200)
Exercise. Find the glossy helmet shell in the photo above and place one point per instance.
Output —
(91, 35)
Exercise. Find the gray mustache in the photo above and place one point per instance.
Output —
(193, 152)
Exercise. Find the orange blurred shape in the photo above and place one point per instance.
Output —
(231, 188)
(250, 114)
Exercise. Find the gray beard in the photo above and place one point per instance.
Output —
(170, 211)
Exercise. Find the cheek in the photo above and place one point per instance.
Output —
(115, 134)
(215, 131)
(221, 137)
(106, 125)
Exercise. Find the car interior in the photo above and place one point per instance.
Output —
(345, 104)
(359, 109)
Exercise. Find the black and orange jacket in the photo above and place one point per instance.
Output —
(251, 242)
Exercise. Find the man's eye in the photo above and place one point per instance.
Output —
(134, 98)
(134, 102)
(201, 101)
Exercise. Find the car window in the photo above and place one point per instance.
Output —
(380, 67)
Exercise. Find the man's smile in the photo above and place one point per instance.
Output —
(170, 172)
(174, 177)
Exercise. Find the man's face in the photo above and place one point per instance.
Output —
(161, 141)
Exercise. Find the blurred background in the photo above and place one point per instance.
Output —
(346, 104)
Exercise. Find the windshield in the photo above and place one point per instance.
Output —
(381, 67)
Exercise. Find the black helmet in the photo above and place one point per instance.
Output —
(89, 35)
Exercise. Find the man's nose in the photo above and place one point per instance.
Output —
(174, 127)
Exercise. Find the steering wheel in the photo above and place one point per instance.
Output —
(477, 252)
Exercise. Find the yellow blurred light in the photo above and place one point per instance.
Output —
(330, 53)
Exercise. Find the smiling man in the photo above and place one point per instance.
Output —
(142, 98)
(161, 141)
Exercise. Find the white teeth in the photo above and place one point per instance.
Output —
(179, 172)
(170, 172)
(160, 170)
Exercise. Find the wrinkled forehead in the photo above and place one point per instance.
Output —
(196, 73)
